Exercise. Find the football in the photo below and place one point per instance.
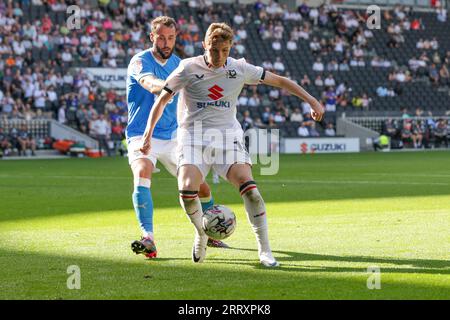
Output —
(219, 222)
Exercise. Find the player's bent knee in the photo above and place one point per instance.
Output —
(249, 190)
(204, 190)
(142, 169)
(188, 198)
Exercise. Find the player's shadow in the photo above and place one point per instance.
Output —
(405, 265)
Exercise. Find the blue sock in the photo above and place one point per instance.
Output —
(207, 203)
(143, 205)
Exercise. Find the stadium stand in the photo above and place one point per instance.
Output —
(355, 71)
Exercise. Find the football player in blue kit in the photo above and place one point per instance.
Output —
(146, 76)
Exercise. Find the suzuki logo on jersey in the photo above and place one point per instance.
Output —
(219, 104)
(215, 92)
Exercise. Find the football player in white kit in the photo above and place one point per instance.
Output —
(209, 87)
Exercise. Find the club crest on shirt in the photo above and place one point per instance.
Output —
(231, 74)
(136, 66)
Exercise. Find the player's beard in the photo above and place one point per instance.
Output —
(164, 55)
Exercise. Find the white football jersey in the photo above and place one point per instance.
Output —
(208, 96)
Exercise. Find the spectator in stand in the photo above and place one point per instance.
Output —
(330, 99)
(267, 65)
(433, 74)
(238, 18)
(313, 131)
(62, 114)
(92, 113)
(254, 100)
(444, 75)
(100, 129)
(385, 92)
(296, 116)
(318, 82)
(266, 115)
(333, 66)
(315, 46)
(274, 94)
(242, 33)
(305, 82)
(441, 14)
(306, 109)
(117, 131)
(276, 45)
(366, 101)
(82, 117)
(440, 134)
(247, 122)
(304, 9)
(418, 135)
(278, 65)
(25, 141)
(329, 81)
(243, 99)
(279, 118)
(405, 113)
(390, 128)
(344, 66)
(407, 134)
(5, 144)
(291, 45)
(303, 130)
(329, 131)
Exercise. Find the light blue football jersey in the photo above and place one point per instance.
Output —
(140, 101)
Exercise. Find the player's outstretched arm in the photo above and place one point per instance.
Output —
(155, 114)
(274, 80)
(152, 84)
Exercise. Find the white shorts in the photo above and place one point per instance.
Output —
(207, 157)
(162, 150)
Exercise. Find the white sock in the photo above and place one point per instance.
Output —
(148, 235)
(256, 213)
(193, 208)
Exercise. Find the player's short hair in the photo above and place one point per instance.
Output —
(165, 21)
(219, 32)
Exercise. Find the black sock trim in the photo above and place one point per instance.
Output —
(188, 192)
(245, 185)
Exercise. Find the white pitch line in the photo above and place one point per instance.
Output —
(299, 181)
(356, 182)
(408, 175)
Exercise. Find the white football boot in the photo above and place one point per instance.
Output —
(199, 248)
(267, 260)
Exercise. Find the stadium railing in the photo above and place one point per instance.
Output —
(376, 123)
(38, 128)
(44, 128)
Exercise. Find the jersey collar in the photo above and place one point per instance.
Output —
(209, 65)
(156, 60)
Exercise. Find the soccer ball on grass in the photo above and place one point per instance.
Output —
(219, 222)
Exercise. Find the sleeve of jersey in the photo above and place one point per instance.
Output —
(253, 74)
(139, 69)
(177, 80)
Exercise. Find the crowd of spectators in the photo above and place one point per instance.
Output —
(18, 139)
(348, 49)
(420, 130)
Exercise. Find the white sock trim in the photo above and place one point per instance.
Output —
(148, 235)
(142, 182)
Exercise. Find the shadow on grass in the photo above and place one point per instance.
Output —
(43, 276)
(426, 266)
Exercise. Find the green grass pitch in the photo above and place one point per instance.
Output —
(330, 218)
